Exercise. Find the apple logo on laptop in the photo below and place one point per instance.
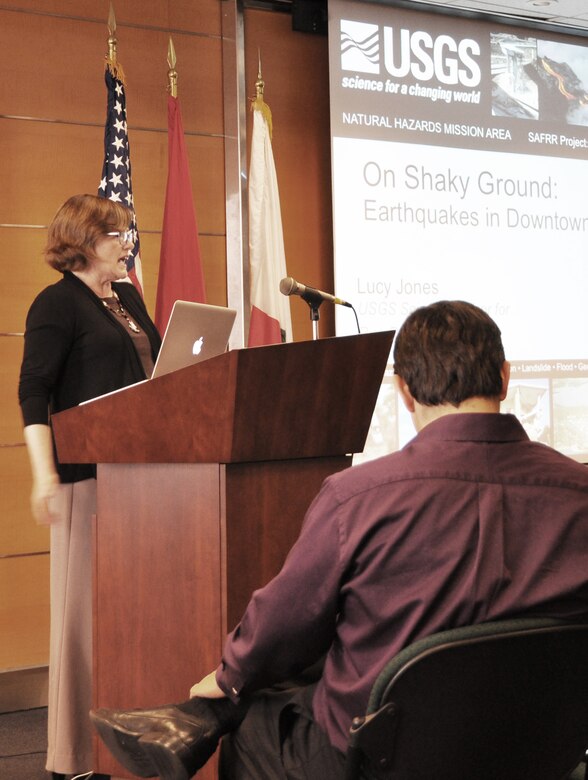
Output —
(197, 346)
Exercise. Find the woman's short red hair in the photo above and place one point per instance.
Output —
(76, 228)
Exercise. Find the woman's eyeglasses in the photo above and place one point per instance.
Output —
(124, 236)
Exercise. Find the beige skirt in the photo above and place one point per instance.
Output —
(69, 748)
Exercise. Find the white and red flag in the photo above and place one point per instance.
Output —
(270, 321)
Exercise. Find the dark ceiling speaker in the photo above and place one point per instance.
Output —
(309, 16)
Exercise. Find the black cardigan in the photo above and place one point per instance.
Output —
(74, 350)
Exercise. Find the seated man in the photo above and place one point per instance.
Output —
(469, 522)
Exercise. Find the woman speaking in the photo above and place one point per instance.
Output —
(86, 335)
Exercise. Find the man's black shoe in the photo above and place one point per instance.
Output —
(187, 733)
(177, 756)
(120, 731)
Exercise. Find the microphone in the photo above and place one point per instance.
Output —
(290, 286)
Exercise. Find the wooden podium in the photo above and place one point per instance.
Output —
(204, 476)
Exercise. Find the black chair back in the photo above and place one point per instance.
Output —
(497, 701)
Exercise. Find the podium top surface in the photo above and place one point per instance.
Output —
(299, 400)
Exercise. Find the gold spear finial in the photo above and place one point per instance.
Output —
(111, 35)
(258, 103)
(111, 62)
(259, 84)
(172, 73)
(111, 21)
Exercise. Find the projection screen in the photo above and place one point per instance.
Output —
(459, 171)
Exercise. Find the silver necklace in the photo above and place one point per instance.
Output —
(121, 312)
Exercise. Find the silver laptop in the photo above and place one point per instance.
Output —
(195, 332)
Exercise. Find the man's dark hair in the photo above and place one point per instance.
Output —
(448, 352)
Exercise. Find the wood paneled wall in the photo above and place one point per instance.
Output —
(52, 110)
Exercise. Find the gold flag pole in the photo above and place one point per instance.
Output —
(258, 103)
(172, 74)
(112, 65)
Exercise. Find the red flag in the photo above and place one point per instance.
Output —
(180, 266)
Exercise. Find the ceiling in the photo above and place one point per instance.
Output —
(570, 13)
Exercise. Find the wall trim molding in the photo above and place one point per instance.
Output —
(23, 689)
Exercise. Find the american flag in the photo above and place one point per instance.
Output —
(116, 171)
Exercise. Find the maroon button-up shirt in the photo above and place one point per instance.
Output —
(470, 522)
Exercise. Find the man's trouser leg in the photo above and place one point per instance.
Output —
(279, 740)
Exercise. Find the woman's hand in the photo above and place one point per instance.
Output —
(43, 498)
(207, 688)
(45, 478)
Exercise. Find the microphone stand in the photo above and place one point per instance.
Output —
(314, 301)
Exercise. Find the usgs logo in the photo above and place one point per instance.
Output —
(400, 53)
